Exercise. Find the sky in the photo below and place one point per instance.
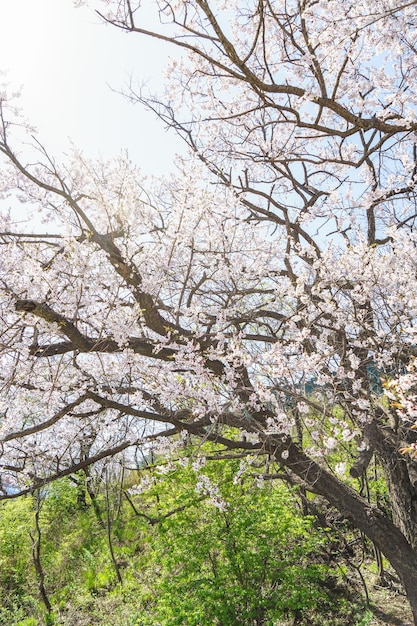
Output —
(68, 63)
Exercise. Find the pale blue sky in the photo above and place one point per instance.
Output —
(65, 59)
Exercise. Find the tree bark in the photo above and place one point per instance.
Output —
(383, 532)
(36, 554)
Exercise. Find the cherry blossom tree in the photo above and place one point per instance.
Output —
(259, 298)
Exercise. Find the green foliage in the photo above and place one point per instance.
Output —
(16, 520)
(183, 561)
(257, 558)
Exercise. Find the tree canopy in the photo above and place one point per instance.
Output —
(257, 299)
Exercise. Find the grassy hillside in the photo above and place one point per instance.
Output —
(183, 548)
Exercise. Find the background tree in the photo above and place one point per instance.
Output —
(257, 300)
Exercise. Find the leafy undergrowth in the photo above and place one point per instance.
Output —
(167, 557)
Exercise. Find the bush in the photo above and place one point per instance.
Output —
(259, 557)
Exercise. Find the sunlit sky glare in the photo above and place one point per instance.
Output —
(66, 62)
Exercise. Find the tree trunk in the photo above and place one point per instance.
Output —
(403, 496)
(383, 532)
(36, 554)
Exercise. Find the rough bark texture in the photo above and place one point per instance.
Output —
(403, 497)
(387, 535)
